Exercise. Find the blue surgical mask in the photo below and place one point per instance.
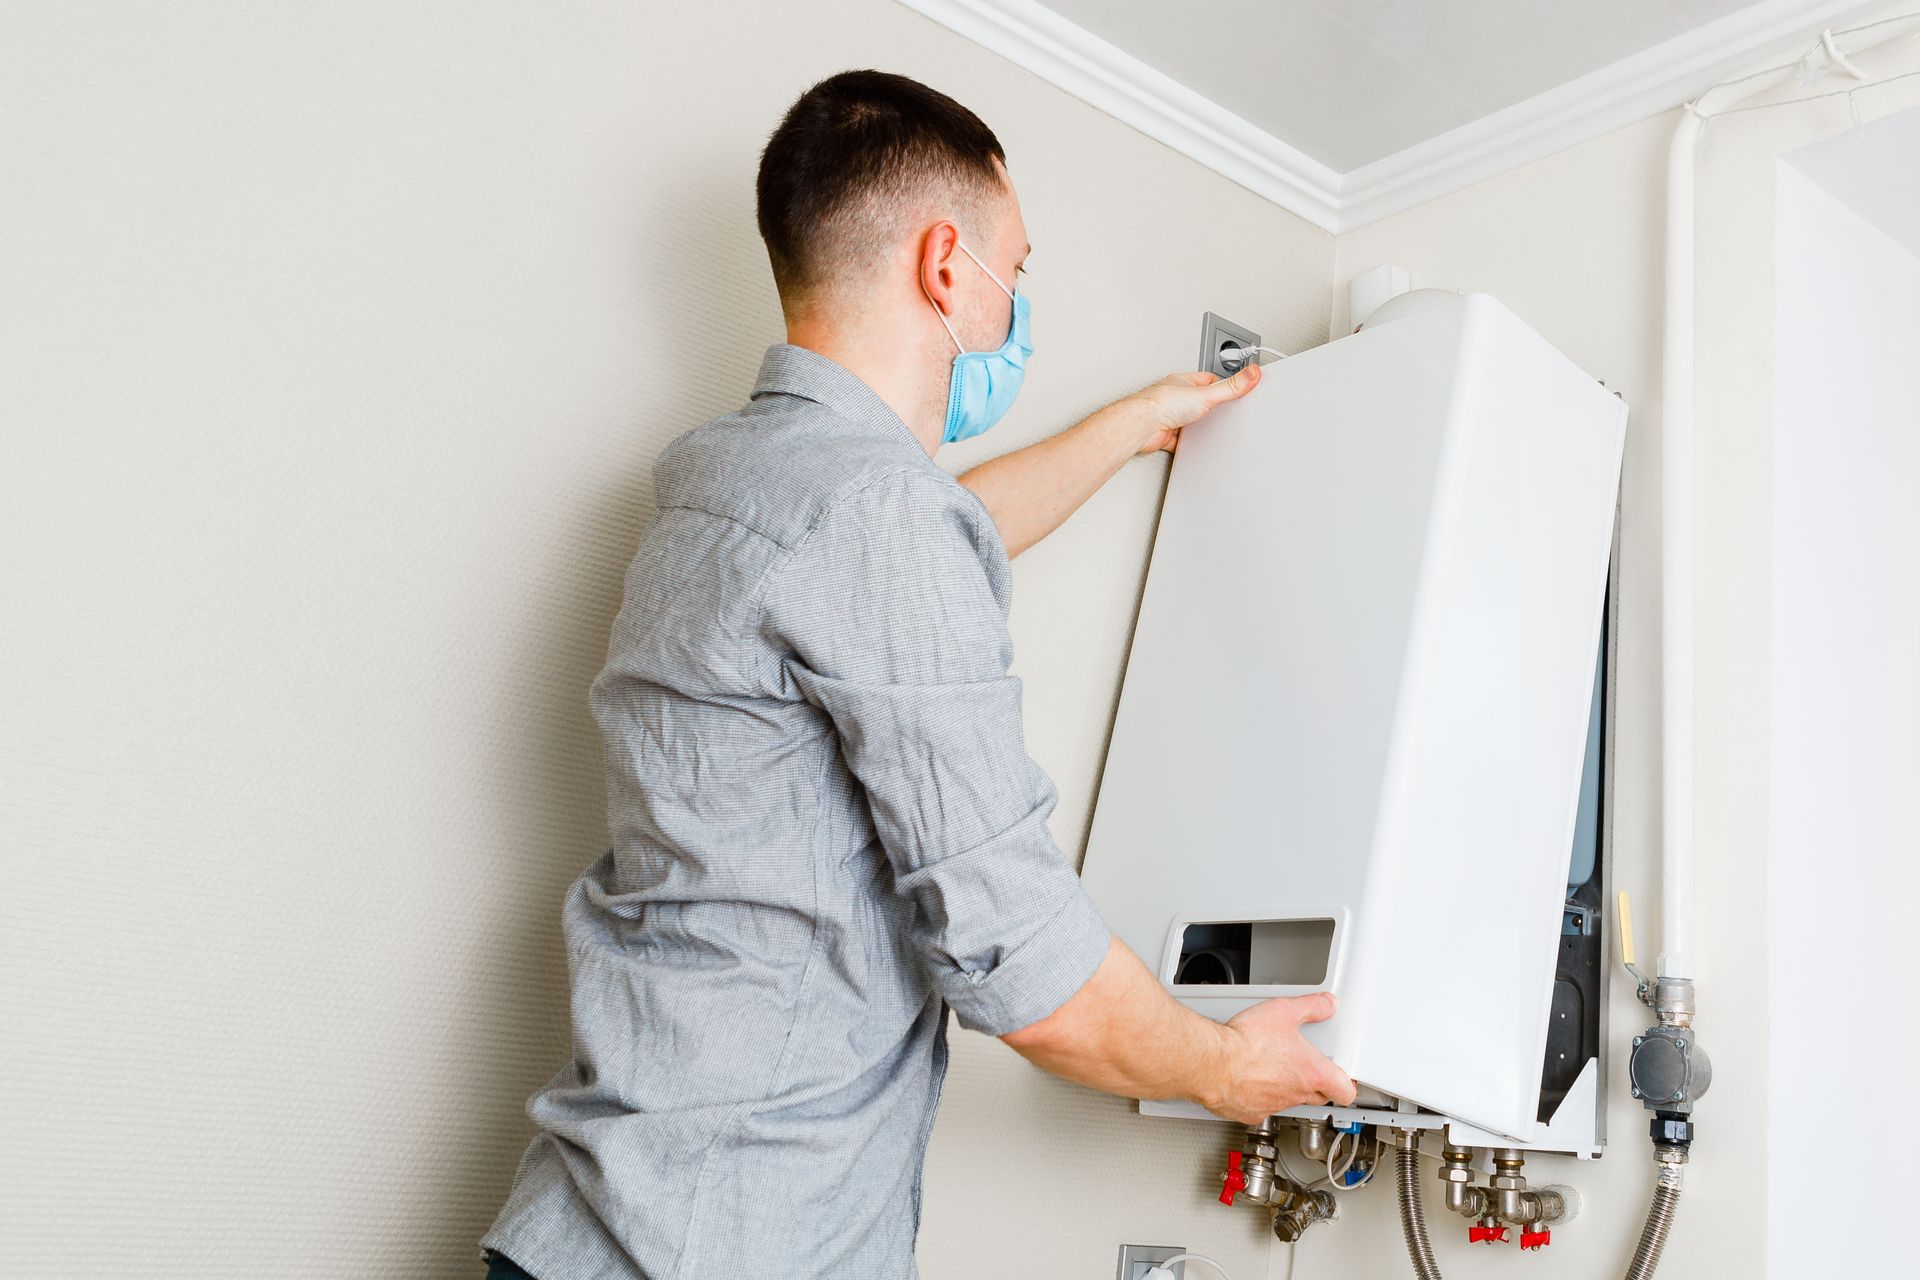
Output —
(984, 383)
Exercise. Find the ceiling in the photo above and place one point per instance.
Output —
(1345, 111)
(1870, 169)
(1350, 82)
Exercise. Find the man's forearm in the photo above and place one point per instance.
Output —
(1030, 492)
(1122, 1033)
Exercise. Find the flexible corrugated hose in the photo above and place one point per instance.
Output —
(1413, 1219)
(1653, 1237)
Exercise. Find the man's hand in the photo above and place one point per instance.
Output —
(1270, 1064)
(1181, 399)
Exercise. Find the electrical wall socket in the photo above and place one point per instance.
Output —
(1216, 333)
(1135, 1259)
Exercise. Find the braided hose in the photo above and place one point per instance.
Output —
(1653, 1237)
(1413, 1219)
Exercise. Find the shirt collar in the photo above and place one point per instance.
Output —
(800, 371)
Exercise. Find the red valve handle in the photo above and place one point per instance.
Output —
(1534, 1239)
(1486, 1235)
(1236, 1181)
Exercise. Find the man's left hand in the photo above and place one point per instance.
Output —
(1181, 399)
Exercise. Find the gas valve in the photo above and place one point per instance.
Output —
(1254, 1174)
(1236, 1181)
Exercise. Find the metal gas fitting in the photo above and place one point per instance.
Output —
(1297, 1208)
(1316, 1136)
(1669, 1070)
(1509, 1187)
(1255, 1173)
(1463, 1197)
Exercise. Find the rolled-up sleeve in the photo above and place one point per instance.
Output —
(889, 613)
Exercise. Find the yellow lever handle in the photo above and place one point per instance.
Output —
(1626, 930)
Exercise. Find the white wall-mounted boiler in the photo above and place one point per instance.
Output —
(1349, 749)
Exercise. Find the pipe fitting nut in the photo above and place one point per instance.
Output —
(1673, 1001)
(1670, 1131)
(1563, 1203)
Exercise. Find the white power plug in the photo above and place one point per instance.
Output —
(1163, 1270)
(1242, 354)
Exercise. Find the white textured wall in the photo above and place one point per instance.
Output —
(337, 345)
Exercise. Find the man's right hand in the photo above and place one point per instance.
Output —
(1270, 1065)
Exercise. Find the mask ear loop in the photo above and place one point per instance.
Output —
(943, 317)
(936, 306)
(983, 266)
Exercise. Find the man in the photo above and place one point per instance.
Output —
(826, 829)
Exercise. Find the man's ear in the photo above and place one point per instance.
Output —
(939, 245)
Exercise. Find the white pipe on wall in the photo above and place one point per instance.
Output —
(1676, 560)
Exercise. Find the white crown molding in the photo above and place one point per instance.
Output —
(1068, 56)
(1072, 58)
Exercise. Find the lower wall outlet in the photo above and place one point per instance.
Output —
(1135, 1259)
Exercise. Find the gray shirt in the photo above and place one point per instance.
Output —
(826, 831)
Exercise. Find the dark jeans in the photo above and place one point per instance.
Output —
(502, 1267)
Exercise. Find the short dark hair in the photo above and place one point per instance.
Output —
(856, 153)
